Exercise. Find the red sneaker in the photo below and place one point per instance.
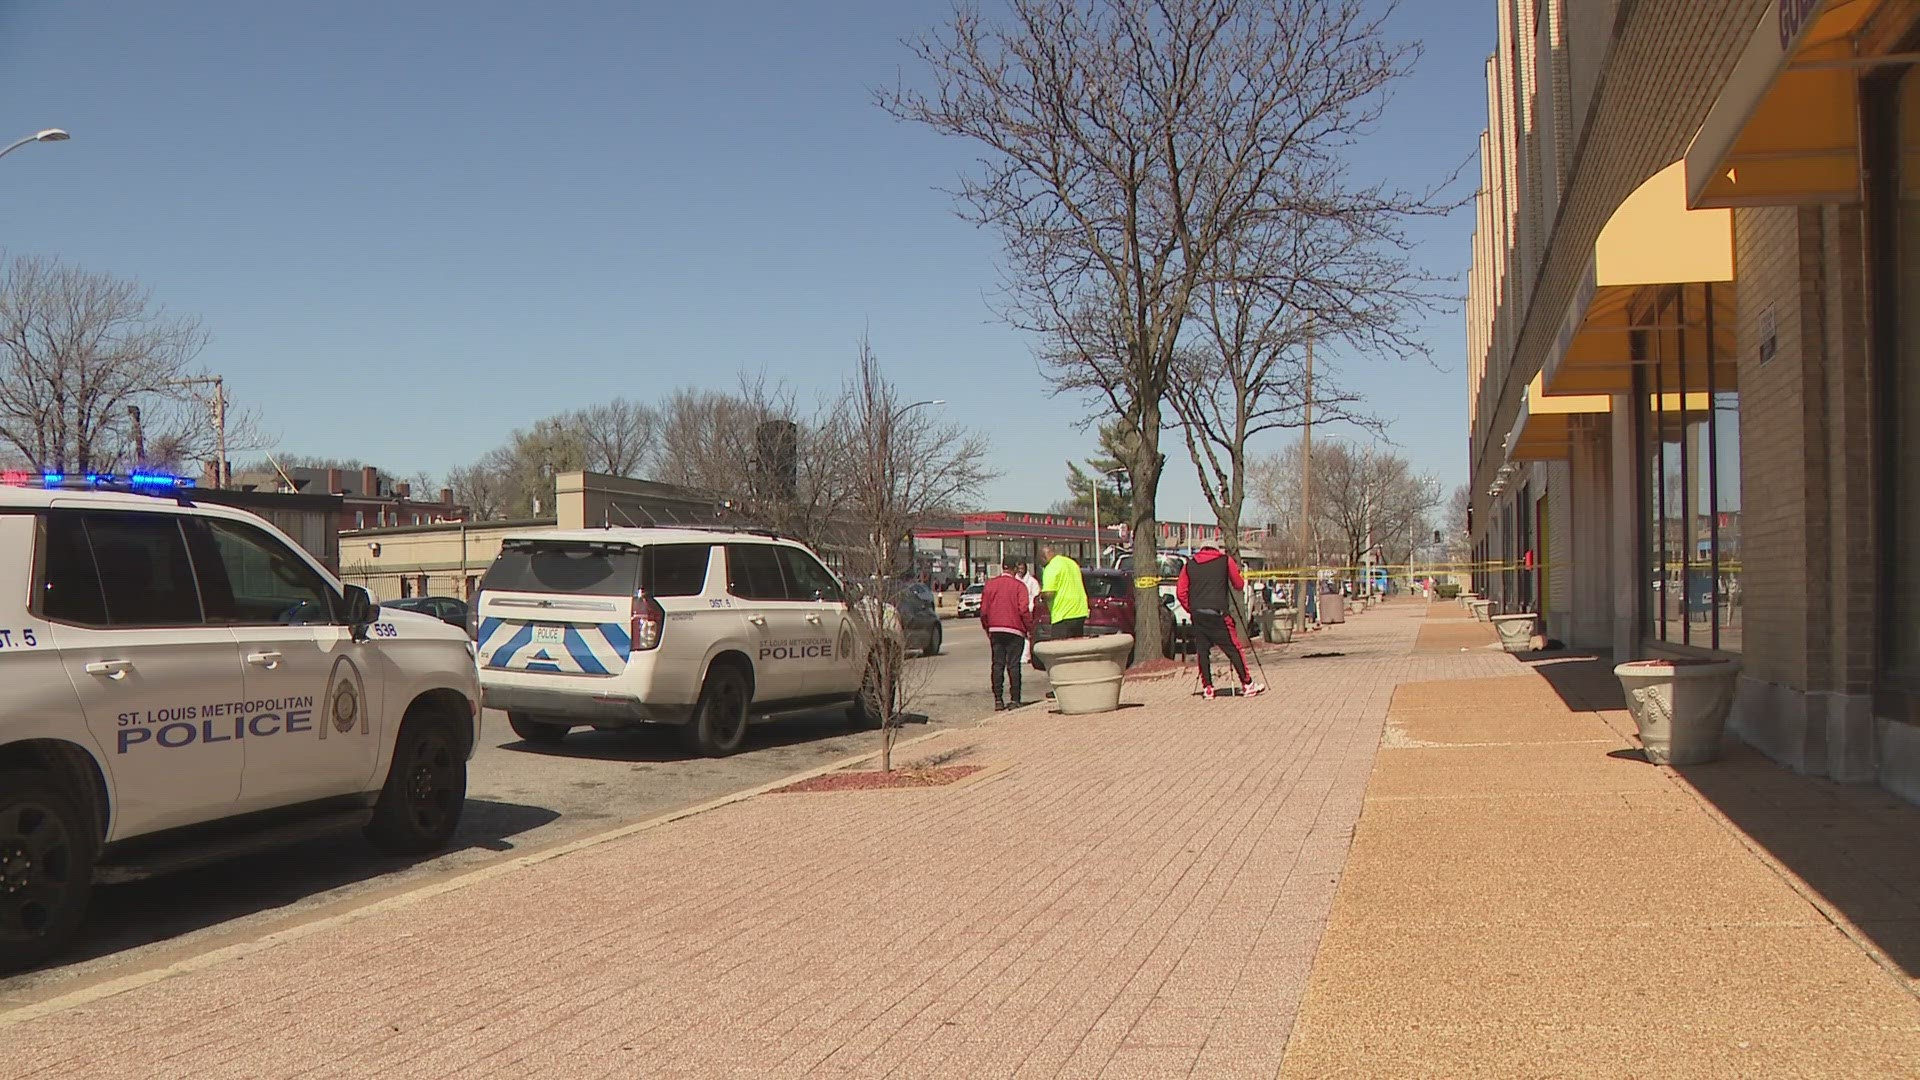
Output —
(1207, 692)
(1253, 689)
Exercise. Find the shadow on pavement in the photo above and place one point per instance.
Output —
(1855, 845)
(655, 743)
(1583, 680)
(123, 917)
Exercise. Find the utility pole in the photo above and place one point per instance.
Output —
(222, 469)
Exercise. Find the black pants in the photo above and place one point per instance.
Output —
(1006, 664)
(1210, 629)
(1068, 628)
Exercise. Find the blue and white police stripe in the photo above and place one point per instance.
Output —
(593, 649)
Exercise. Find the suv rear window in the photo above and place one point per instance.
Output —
(541, 566)
(1108, 586)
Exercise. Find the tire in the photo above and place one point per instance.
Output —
(47, 848)
(719, 723)
(426, 788)
(864, 713)
(934, 643)
(539, 732)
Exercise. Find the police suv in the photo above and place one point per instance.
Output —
(182, 683)
(616, 627)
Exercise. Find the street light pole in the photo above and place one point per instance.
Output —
(48, 135)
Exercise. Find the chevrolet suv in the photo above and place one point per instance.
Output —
(183, 683)
(617, 627)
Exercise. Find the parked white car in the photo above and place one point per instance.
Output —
(616, 627)
(183, 683)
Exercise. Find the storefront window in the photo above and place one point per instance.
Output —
(1690, 468)
(1902, 409)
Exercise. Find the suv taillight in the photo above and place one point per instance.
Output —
(649, 618)
(473, 620)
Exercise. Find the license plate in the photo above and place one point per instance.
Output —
(550, 635)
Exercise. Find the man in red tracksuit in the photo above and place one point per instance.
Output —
(1207, 584)
(1006, 611)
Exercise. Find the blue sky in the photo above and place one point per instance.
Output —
(412, 227)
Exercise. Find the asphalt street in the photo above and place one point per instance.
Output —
(520, 798)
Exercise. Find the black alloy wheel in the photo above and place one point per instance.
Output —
(425, 792)
(46, 868)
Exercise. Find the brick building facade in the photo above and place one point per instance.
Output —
(1694, 350)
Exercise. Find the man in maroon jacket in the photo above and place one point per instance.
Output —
(1207, 583)
(1007, 614)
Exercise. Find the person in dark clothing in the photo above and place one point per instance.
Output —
(1206, 586)
(1007, 616)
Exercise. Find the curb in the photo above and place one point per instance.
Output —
(426, 890)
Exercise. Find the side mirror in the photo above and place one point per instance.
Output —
(361, 612)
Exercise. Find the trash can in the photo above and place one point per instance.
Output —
(1333, 609)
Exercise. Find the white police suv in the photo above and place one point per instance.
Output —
(617, 627)
(181, 683)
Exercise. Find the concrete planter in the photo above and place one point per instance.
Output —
(1480, 609)
(1516, 631)
(1279, 626)
(1086, 673)
(1680, 706)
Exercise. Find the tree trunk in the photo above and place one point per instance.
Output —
(1145, 468)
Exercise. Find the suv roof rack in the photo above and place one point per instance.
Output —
(771, 534)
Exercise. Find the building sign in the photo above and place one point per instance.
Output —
(1793, 17)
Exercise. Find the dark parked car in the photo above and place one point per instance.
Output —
(920, 619)
(445, 608)
(1110, 610)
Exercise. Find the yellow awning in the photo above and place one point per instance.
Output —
(1544, 429)
(1653, 249)
(1785, 128)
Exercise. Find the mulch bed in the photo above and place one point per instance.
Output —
(874, 780)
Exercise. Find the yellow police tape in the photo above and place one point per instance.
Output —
(1425, 569)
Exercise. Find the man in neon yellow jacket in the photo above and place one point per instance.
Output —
(1066, 595)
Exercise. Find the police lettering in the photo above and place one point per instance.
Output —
(797, 650)
(178, 731)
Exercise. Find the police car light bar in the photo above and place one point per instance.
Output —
(144, 482)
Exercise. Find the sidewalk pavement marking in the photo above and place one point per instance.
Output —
(431, 887)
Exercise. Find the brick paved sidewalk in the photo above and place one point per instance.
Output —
(1139, 894)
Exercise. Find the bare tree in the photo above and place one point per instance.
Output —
(620, 437)
(1125, 141)
(897, 471)
(1368, 497)
(1455, 535)
(482, 488)
(78, 351)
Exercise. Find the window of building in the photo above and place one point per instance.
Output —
(1688, 417)
(1891, 110)
(359, 519)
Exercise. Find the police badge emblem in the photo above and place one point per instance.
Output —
(346, 700)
